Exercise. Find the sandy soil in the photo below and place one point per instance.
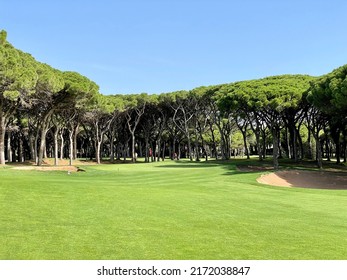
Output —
(306, 179)
(48, 168)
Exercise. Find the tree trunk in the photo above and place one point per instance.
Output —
(264, 143)
(190, 149)
(174, 154)
(56, 148)
(275, 148)
(20, 149)
(97, 151)
(301, 146)
(112, 148)
(338, 147)
(197, 154)
(206, 154)
(213, 141)
(62, 144)
(163, 151)
(32, 146)
(244, 136)
(179, 151)
(309, 152)
(75, 134)
(42, 145)
(36, 143)
(318, 151)
(9, 149)
(289, 152)
(71, 146)
(146, 149)
(295, 147)
(259, 146)
(133, 157)
(2, 138)
(125, 150)
(140, 150)
(44, 129)
(327, 148)
(344, 133)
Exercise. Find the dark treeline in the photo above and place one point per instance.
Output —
(45, 112)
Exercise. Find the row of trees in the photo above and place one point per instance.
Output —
(47, 112)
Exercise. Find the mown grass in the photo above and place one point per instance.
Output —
(166, 210)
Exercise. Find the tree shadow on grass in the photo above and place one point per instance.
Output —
(228, 165)
(253, 165)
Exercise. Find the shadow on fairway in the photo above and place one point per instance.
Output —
(228, 165)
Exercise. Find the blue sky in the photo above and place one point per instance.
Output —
(153, 46)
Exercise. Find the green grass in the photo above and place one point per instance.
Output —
(167, 210)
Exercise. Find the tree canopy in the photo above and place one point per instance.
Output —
(39, 103)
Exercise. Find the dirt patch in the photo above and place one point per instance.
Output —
(306, 179)
(48, 168)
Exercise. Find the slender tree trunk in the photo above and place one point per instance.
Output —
(42, 145)
(279, 144)
(213, 141)
(36, 144)
(20, 149)
(133, 158)
(62, 144)
(190, 149)
(344, 133)
(31, 140)
(118, 151)
(179, 151)
(197, 154)
(56, 147)
(9, 149)
(3, 125)
(170, 151)
(206, 154)
(259, 146)
(163, 151)
(318, 152)
(140, 150)
(327, 148)
(98, 151)
(45, 150)
(275, 148)
(75, 134)
(44, 129)
(338, 147)
(244, 136)
(264, 143)
(174, 154)
(125, 150)
(289, 151)
(300, 144)
(112, 148)
(157, 150)
(71, 146)
(152, 156)
(309, 152)
(146, 149)
(295, 147)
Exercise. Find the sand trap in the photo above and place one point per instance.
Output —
(306, 179)
(47, 168)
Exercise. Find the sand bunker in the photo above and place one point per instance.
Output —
(47, 168)
(306, 179)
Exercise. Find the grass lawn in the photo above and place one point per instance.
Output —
(166, 210)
